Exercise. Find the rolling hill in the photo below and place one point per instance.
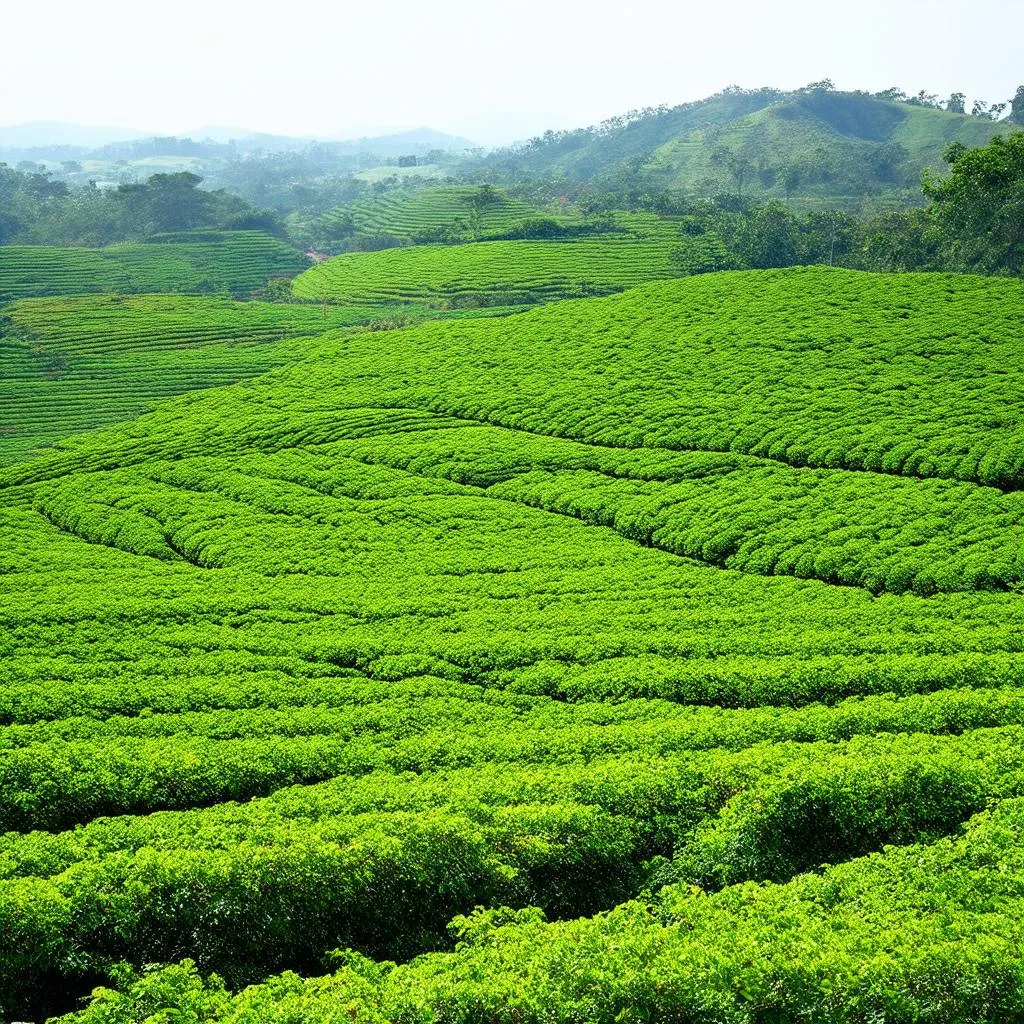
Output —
(678, 629)
(814, 144)
(512, 272)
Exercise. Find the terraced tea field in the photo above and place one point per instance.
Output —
(208, 261)
(506, 272)
(70, 364)
(407, 215)
(620, 618)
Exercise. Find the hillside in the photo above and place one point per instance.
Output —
(204, 261)
(600, 609)
(815, 144)
(586, 153)
(70, 364)
(829, 145)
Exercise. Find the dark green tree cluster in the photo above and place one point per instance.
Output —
(36, 209)
(974, 223)
(979, 206)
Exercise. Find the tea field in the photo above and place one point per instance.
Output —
(408, 215)
(72, 363)
(648, 657)
(204, 261)
(514, 272)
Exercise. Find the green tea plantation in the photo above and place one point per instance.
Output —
(505, 273)
(71, 363)
(203, 261)
(475, 211)
(642, 658)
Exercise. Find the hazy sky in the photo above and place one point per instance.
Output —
(310, 67)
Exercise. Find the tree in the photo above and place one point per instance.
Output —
(704, 254)
(166, 202)
(980, 109)
(738, 165)
(955, 103)
(792, 177)
(898, 242)
(768, 239)
(826, 236)
(478, 201)
(980, 205)
(886, 161)
(924, 99)
(1017, 106)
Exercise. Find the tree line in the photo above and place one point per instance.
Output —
(36, 209)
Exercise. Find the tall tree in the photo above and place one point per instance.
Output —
(792, 177)
(980, 204)
(1017, 106)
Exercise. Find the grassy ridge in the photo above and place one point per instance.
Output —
(843, 147)
(703, 584)
(838, 143)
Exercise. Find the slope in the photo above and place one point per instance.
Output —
(586, 153)
(820, 146)
(816, 143)
(73, 363)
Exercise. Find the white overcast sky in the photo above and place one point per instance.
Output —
(313, 67)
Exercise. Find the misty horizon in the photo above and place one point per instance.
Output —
(490, 78)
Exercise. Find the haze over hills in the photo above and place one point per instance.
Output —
(409, 140)
(817, 144)
(45, 136)
(34, 134)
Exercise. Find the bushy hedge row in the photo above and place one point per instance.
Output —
(921, 933)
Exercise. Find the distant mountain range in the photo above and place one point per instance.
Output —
(35, 134)
(40, 139)
(815, 145)
(412, 140)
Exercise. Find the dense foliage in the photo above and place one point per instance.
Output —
(980, 206)
(36, 209)
(634, 608)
